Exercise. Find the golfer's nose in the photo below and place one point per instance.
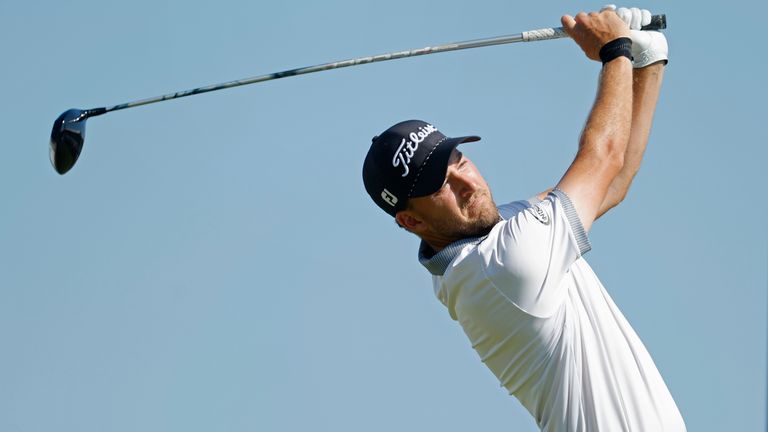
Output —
(462, 184)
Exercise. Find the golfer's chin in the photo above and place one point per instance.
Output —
(483, 210)
(482, 220)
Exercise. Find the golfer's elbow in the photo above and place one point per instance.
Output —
(613, 198)
(616, 194)
(607, 153)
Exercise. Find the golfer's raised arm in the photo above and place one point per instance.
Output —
(650, 54)
(645, 94)
(603, 36)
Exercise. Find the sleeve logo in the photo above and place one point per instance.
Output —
(540, 215)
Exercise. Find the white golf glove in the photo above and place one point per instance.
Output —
(648, 46)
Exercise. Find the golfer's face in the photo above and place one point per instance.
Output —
(463, 206)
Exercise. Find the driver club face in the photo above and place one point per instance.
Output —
(67, 137)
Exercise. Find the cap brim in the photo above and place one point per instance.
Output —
(433, 171)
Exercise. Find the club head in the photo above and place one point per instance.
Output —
(67, 137)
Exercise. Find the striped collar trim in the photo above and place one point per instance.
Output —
(437, 263)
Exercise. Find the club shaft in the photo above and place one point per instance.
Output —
(555, 33)
(658, 22)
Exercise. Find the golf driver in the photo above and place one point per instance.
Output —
(68, 133)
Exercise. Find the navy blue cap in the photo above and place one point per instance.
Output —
(408, 160)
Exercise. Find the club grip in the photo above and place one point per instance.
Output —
(658, 22)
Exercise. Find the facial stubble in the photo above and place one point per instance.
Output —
(478, 225)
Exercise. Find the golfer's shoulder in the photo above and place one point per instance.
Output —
(507, 248)
(523, 243)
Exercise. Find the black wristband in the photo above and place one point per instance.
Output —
(616, 48)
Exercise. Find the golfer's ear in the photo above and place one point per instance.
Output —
(409, 221)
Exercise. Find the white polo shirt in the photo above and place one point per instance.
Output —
(543, 323)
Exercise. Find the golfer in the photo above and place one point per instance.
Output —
(514, 275)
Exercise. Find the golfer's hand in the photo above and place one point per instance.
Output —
(592, 31)
(648, 47)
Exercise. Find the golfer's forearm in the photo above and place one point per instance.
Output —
(645, 91)
(606, 132)
(603, 142)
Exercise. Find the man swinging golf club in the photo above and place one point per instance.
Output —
(513, 275)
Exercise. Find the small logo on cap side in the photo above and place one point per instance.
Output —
(407, 149)
(388, 197)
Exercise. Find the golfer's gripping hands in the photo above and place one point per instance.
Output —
(648, 46)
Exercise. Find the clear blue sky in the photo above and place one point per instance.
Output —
(213, 263)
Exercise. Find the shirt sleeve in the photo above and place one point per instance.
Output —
(531, 254)
(509, 210)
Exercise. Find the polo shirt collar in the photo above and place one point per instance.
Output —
(437, 263)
